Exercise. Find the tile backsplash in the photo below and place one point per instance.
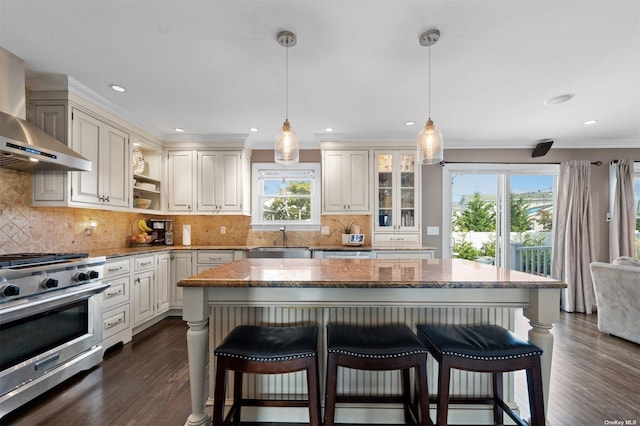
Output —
(61, 229)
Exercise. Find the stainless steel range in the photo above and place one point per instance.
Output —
(50, 322)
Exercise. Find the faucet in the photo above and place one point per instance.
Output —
(284, 235)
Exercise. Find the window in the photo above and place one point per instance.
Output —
(286, 196)
(501, 215)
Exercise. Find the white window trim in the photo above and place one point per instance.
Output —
(256, 212)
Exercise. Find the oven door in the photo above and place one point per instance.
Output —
(40, 334)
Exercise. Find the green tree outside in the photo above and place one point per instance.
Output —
(520, 221)
(478, 216)
(292, 207)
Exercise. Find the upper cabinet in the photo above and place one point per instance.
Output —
(345, 181)
(108, 150)
(180, 179)
(209, 181)
(125, 166)
(50, 186)
(397, 204)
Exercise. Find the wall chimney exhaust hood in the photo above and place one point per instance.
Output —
(23, 146)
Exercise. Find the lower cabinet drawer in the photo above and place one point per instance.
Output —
(144, 263)
(115, 321)
(396, 240)
(113, 268)
(418, 254)
(215, 257)
(117, 293)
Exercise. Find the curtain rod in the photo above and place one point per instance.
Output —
(442, 163)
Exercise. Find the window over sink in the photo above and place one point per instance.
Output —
(285, 196)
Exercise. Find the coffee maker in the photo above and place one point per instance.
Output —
(161, 231)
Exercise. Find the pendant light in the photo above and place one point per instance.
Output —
(287, 149)
(430, 138)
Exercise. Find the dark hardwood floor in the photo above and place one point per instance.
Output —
(595, 380)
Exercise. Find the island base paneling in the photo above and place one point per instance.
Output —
(464, 384)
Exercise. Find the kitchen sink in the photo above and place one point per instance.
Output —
(279, 252)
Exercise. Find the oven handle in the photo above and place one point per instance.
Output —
(47, 301)
(47, 361)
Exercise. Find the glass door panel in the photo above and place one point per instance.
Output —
(385, 190)
(503, 217)
(474, 217)
(407, 190)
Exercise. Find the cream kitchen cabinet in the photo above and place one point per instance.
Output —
(105, 140)
(181, 176)
(181, 267)
(163, 277)
(49, 186)
(207, 259)
(345, 181)
(116, 302)
(404, 254)
(209, 181)
(107, 148)
(151, 274)
(397, 202)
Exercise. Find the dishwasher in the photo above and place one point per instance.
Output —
(356, 254)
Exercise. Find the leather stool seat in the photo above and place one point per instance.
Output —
(376, 348)
(484, 348)
(266, 350)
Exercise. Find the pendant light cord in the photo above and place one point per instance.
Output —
(429, 79)
(286, 78)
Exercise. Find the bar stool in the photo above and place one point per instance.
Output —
(266, 350)
(489, 349)
(376, 348)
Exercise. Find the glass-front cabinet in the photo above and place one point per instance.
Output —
(397, 198)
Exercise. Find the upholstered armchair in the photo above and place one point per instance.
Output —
(617, 288)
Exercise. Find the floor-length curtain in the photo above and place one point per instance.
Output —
(623, 218)
(573, 247)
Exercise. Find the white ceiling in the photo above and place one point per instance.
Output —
(216, 69)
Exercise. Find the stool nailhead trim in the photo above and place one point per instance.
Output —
(343, 352)
(491, 358)
(264, 359)
(482, 357)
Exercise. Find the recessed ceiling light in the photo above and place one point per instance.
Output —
(409, 123)
(179, 129)
(559, 99)
(590, 122)
(118, 88)
(328, 129)
(253, 129)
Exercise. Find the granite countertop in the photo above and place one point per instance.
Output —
(365, 273)
(129, 251)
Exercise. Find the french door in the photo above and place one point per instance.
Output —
(500, 214)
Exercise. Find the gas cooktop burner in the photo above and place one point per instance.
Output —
(17, 259)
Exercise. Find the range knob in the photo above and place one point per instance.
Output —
(94, 274)
(82, 276)
(50, 283)
(10, 290)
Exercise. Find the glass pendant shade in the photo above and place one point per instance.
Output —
(429, 144)
(287, 145)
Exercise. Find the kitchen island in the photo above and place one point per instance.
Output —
(365, 291)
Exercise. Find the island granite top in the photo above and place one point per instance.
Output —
(129, 251)
(365, 273)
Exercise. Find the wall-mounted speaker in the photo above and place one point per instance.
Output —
(542, 148)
